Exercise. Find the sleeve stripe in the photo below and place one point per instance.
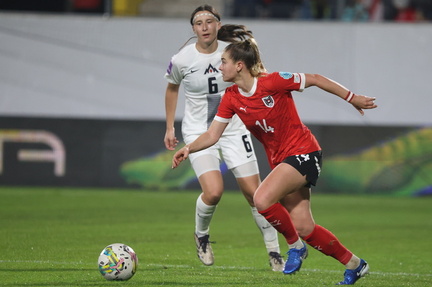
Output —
(302, 82)
(222, 120)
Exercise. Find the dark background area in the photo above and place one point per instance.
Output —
(95, 149)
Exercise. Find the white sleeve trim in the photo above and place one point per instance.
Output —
(302, 82)
(222, 120)
(170, 80)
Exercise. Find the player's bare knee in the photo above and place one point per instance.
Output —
(261, 202)
(212, 197)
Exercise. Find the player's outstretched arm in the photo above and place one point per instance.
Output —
(359, 102)
(207, 139)
(181, 155)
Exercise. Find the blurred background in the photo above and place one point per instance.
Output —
(82, 89)
(339, 10)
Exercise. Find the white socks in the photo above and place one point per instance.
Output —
(297, 245)
(353, 263)
(270, 234)
(204, 214)
(203, 217)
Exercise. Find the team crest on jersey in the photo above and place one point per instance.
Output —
(211, 70)
(268, 101)
(285, 75)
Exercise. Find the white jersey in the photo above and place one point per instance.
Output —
(203, 86)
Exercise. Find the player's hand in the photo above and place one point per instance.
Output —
(170, 139)
(363, 102)
(181, 155)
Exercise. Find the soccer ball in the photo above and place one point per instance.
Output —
(117, 262)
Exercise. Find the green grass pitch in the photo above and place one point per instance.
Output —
(53, 237)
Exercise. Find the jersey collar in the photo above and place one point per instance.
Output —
(252, 91)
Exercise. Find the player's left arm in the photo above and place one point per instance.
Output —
(359, 102)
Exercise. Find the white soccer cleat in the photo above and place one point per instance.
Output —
(276, 261)
(204, 250)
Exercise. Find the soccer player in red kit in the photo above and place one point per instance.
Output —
(265, 105)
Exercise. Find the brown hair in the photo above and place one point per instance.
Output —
(234, 33)
(228, 33)
(247, 51)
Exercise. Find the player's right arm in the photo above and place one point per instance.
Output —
(171, 98)
(205, 140)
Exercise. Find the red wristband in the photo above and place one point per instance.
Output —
(349, 97)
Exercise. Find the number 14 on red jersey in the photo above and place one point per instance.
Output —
(264, 126)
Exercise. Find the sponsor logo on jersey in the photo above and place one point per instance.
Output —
(268, 101)
(285, 75)
(243, 109)
(211, 70)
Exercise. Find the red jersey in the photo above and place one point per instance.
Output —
(270, 114)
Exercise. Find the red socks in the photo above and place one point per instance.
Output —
(326, 242)
(279, 218)
(320, 238)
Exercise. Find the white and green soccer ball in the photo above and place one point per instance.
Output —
(118, 262)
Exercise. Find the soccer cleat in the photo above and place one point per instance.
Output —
(351, 276)
(204, 250)
(276, 261)
(295, 259)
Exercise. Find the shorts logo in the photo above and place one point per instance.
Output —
(285, 75)
(302, 158)
(268, 101)
(317, 165)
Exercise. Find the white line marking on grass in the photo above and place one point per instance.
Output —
(191, 267)
(215, 267)
(303, 269)
(42, 262)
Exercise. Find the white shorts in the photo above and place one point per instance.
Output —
(237, 151)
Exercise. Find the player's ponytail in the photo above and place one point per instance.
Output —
(247, 51)
(234, 33)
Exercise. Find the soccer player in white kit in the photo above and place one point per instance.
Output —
(196, 67)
